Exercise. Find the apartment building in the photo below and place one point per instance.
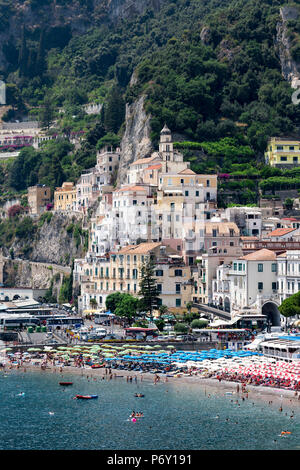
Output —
(65, 197)
(283, 152)
(120, 271)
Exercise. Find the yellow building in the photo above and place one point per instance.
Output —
(65, 197)
(120, 271)
(283, 152)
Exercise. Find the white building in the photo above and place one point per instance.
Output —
(252, 283)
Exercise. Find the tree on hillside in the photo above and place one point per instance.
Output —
(114, 111)
(148, 289)
(46, 114)
(23, 55)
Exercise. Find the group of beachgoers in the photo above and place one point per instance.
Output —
(249, 379)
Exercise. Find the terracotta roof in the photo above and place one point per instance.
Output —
(187, 171)
(261, 255)
(154, 167)
(131, 188)
(142, 248)
(142, 161)
(279, 232)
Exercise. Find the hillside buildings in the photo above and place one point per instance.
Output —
(237, 261)
(38, 197)
(283, 152)
(65, 197)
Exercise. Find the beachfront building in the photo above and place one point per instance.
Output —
(65, 197)
(288, 274)
(205, 272)
(120, 271)
(252, 284)
(283, 152)
(38, 197)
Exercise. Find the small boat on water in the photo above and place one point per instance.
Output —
(65, 383)
(85, 397)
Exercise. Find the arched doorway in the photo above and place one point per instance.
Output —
(270, 310)
(227, 304)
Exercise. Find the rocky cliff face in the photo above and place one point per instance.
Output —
(78, 15)
(290, 69)
(56, 241)
(136, 142)
(24, 273)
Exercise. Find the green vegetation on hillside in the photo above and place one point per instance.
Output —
(209, 69)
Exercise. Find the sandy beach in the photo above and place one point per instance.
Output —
(277, 396)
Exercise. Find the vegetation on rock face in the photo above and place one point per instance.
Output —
(209, 69)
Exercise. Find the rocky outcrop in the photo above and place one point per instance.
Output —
(24, 273)
(290, 69)
(136, 142)
(56, 241)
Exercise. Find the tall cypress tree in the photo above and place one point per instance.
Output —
(114, 111)
(40, 60)
(23, 55)
(148, 289)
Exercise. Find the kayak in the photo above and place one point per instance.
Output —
(86, 397)
(65, 383)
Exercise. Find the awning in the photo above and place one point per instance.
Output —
(179, 191)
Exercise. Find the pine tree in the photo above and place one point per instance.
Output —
(148, 289)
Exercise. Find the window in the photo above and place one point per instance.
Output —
(295, 159)
(260, 267)
(178, 272)
(178, 289)
(235, 266)
(159, 288)
(178, 303)
(274, 285)
(159, 272)
(283, 159)
(186, 193)
(240, 266)
(274, 267)
(197, 193)
(214, 233)
(260, 286)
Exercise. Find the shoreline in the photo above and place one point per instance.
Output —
(254, 392)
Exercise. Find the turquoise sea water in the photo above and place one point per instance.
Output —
(176, 416)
